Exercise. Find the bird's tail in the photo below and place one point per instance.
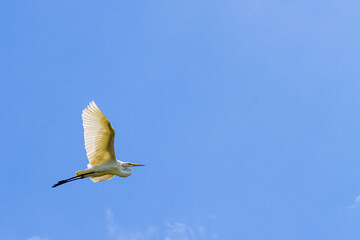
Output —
(84, 172)
(79, 175)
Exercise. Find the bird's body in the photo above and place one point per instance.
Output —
(99, 144)
(112, 168)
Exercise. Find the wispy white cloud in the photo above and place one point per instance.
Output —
(356, 203)
(116, 232)
(167, 231)
(179, 231)
(36, 238)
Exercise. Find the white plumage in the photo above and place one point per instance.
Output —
(99, 138)
(98, 135)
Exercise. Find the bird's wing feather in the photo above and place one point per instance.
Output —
(99, 136)
(102, 178)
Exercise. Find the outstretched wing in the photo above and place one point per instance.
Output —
(99, 136)
(102, 178)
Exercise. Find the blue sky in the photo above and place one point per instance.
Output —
(245, 113)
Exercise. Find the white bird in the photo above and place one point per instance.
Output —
(99, 144)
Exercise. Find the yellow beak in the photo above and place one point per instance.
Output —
(136, 165)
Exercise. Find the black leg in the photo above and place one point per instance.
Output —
(71, 179)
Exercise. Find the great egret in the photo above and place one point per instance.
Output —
(99, 144)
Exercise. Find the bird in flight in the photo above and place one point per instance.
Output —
(99, 144)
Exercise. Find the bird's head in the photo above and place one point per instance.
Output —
(128, 164)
